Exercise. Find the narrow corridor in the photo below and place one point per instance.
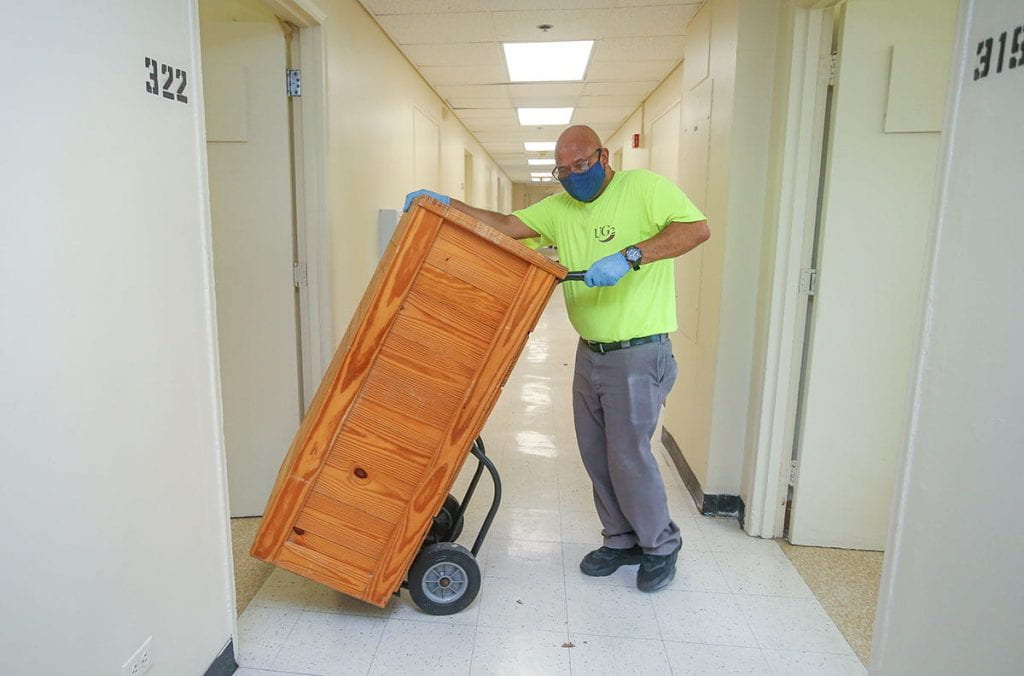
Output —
(737, 605)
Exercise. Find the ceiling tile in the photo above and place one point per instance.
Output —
(593, 116)
(565, 89)
(643, 3)
(583, 24)
(513, 5)
(631, 70)
(457, 54)
(452, 75)
(650, 21)
(640, 88)
(639, 49)
(416, 6)
(438, 28)
(458, 103)
(474, 91)
(600, 101)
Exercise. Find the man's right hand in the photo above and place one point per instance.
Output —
(443, 199)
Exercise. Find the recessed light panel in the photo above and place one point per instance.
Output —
(547, 61)
(544, 116)
(540, 174)
(539, 146)
(540, 163)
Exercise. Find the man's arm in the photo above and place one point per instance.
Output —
(675, 240)
(504, 223)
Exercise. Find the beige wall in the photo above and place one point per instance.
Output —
(757, 30)
(622, 140)
(373, 92)
(688, 409)
(525, 194)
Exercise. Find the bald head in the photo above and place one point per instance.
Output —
(575, 142)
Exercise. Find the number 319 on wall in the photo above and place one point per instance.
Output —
(171, 76)
(986, 50)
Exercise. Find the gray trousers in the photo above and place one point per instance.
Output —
(616, 400)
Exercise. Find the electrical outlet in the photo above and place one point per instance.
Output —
(140, 661)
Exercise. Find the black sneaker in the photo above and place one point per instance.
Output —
(656, 571)
(605, 561)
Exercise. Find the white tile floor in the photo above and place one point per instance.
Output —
(737, 605)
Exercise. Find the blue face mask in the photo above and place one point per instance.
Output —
(584, 187)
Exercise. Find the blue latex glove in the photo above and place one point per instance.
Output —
(443, 199)
(607, 271)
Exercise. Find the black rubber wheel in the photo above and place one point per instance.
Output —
(444, 579)
(445, 527)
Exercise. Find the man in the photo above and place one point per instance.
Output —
(625, 227)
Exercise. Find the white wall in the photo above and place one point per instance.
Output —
(951, 592)
(113, 484)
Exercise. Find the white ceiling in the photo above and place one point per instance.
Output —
(456, 46)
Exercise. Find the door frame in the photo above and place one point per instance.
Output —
(312, 222)
(800, 172)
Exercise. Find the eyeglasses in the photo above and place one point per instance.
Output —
(577, 167)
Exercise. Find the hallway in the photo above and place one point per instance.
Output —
(737, 604)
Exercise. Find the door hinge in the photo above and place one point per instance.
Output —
(809, 281)
(299, 275)
(294, 82)
(833, 68)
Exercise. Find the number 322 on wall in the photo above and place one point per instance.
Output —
(170, 76)
(985, 49)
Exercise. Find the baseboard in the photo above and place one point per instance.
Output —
(709, 505)
(225, 664)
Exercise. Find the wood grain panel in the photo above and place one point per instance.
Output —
(363, 532)
(408, 383)
(338, 575)
(415, 436)
(373, 318)
(461, 306)
(337, 551)
(377, 494)
(469, 420)
(495, 271)
(383, 452)
(419, 370)
(419, 326)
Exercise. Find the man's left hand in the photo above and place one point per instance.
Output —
(607, 271)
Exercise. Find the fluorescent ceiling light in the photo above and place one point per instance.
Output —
(540, 163)
(546, 179)
(540, 174)
(547, 61)
(544, 116)
(539, 146)
(535, 179)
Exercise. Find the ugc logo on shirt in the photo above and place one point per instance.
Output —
(604, 233)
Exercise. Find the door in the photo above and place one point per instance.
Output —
(875, 217)
(250, 168)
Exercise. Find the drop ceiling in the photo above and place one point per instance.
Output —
(456, 46)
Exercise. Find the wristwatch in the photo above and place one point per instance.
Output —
(633, 256)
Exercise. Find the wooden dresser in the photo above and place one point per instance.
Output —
(410, 387)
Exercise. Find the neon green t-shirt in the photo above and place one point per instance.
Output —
(635, 206)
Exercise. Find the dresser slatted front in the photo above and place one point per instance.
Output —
(410, 387)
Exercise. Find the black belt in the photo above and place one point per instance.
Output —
(618, 345)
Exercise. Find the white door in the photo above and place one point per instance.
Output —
(248, 134)
(874, 228)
